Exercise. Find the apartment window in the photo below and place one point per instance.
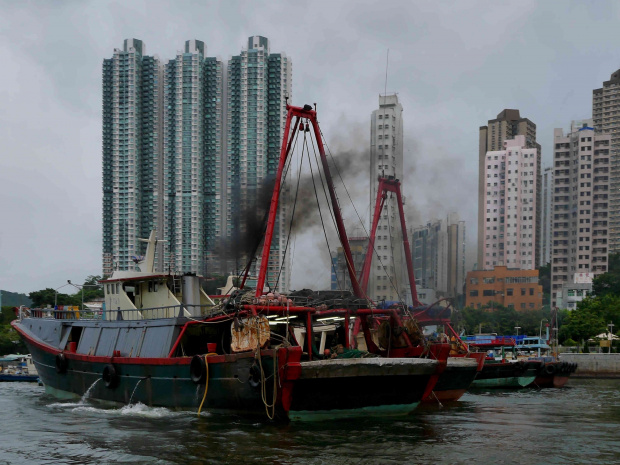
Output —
(473, 293)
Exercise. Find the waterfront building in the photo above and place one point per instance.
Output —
(581, 204)
(187, 146)
(605, 108)
(546, 221)
(506, 126)
(438, 253)
(574, 291)
(387, 280)
(511, 288)
(510, 199)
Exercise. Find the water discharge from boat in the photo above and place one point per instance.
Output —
(88, 391)
(134, 389)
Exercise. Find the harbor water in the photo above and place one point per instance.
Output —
(579, 424)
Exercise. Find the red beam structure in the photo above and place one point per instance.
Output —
(308, 114)
(389, 184)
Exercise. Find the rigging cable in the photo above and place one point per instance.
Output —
(331, 212)
(350, 199)
(316, 195)
(290, 226)
(266, 216)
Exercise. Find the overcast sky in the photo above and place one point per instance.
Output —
(453, 65)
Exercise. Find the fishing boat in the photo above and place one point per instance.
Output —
(160, 340)
(462, 365)
(552, 372)
(498, 371)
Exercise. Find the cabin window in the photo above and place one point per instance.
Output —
(108, 288)
(155, 287)
(117, 289)
(150, 286)
(138, 289)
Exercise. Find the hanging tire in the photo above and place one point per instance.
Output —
(198, 369)
(550, 369)
(254, 378)
(110, 376)
(61, 363)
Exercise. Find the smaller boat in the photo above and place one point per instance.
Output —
(463, 364)
(18, 368)
(498, 371)
(551, 372)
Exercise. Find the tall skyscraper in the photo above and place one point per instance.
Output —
(438, 252)
(387, 279)
(605, 108)
(580, 205)
(546, 222)
(507, 125)
(131, 152)
(258, 84)
(186, 146)
(184, 221)
(510, 200)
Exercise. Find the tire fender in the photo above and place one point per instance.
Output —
(110, 376)
(198, 369)
(61, 363)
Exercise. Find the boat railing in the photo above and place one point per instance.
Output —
(172, 311)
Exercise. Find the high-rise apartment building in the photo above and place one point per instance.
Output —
(258, 84)
(387, 280)
(184, 221)
(186, 146)
(546, 221)
(507, 125)
(438, 253)
(606, 118)
(510, 200)
(132, 155)
(581, 203)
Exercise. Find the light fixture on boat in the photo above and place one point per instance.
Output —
(284, 318)
(275, 315)
(329, 318)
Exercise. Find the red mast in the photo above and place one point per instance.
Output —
(389, 184)
(308, 114)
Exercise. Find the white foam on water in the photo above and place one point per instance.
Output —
(134, 410)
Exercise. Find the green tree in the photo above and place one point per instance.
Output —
(48, 296)
(608, 283)
(590, 318)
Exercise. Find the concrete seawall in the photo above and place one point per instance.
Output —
(594, 365)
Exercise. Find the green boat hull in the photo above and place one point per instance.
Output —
(511, 382)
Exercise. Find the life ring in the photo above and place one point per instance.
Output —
(109, 376)
(254, 378)
(61, 363)
(550, 369)
(198, 369)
